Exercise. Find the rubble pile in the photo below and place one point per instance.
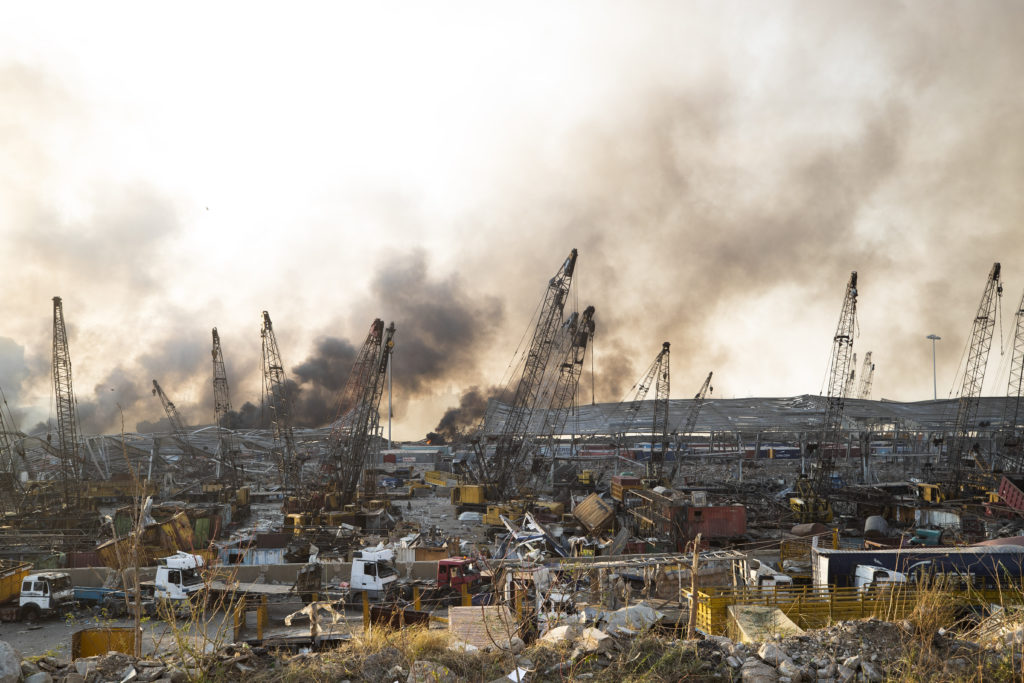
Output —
(868, 650)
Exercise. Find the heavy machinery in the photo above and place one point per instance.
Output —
(11, 489)
(657, 375)
(579, 330)
(354, 433)
(196, 460)
(812, 500)
(221, 409)
(1011, 451)
(867, 377)
(502, 473)
(851, 382)
(691, 420)
(960, 442)
(279, 403)
(70, 472)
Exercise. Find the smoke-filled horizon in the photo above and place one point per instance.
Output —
(720, 167)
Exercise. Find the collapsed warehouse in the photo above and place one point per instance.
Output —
(559, 505)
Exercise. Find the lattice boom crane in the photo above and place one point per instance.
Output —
(195, 455)
(691, 418)
(579, 330)
(512, 444)
(812, 502)
(352, 437)
(67, 408)
(278, 401)
(974, 377)
(867, 377)
(1012, 418)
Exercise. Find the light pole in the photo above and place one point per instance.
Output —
(935, 385)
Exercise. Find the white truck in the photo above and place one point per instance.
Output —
(868, 577)
(44, 594)
(759, 575)
(373, 572)
(177, 577)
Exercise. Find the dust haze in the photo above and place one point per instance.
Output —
(721, 170)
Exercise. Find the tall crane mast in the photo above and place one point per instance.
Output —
(359, 376)
(974, 376)
(580, 330)
(10, 484)
(511, 445)
(851, 382)
(275, 391)
(194, 455)
(222, 408)
(352, 438)
(867, 377)
(1012, 417)
(641, 388)
(691, 417)
(221, 395)
(659, 426)
(812, 502)
(67, 408)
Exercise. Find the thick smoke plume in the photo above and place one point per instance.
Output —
(719, 198)
(461, 421)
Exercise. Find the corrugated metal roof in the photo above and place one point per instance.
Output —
(785, 415)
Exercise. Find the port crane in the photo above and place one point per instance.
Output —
(278, 402)
(812, 500)
(354, 431)
(222, 409)
(194, 457)
(656, 376)
(970, 390)
(867, 377)
(1012, 453)
(851, 382)
(502, 471)
(10, 483)
(67, 410)
(691, 419)
(579, 331)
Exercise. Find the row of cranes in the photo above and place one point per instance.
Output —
(543, 396)
(967, 475)
(350, 446)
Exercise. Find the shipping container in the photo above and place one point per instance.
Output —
(712, 522)
(622, 483)
(1011, 490)
(594, 513)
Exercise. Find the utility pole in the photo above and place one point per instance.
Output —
(389, 402)
(935, 384)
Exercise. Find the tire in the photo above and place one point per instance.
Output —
(30, 613)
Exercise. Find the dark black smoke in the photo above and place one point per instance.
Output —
(443, 324)
(461, 421)
(319, 380)
(249, 416)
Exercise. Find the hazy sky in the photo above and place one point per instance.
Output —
(720, 166)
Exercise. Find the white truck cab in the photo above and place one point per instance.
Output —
(177, 577)
(759, 575)
(868, 576)
(44, 594)
(373, 571)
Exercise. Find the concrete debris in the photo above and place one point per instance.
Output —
(428, 672)
(10, 663)
(631, 620)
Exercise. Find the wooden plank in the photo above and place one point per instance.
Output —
(482, 626)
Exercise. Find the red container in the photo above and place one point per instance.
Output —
(713, 521)
(84, 558)
(1011, 490)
